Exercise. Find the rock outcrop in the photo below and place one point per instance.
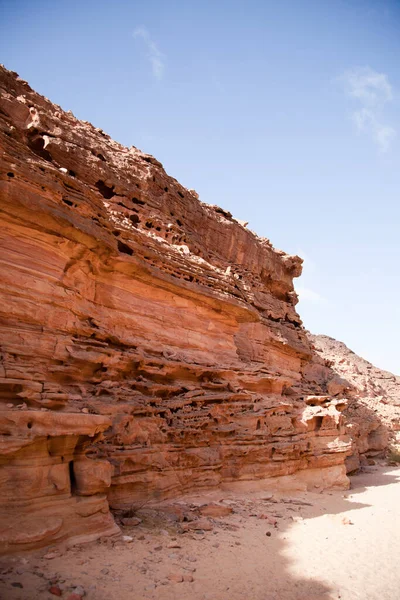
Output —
(50, 491)
(131, 308)
(373, 411)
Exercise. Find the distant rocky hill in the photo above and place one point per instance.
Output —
(372, 389)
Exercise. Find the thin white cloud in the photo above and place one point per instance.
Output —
(367, 121)
(308, 295)
(155, 56)
(369, 86)
(372, 91)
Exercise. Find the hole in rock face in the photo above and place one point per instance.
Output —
(68, 202)
(134, 219)
(101, 157)
(165, 189)
(124, 248)
(29, 424)
(137, 201)
(8, 390)
(92, 323)
(318, 423)
(72, 476)
(178, 222)
(36, 144)
(10, 174)
(106, 191)
(258, 424)
(149, 224)
(72, 173)
(181, 195)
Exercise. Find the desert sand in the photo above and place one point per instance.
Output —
(293, 545)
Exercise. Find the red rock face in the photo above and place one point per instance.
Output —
(44, 495)
(124, 298)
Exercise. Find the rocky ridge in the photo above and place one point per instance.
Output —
(150, 344)
(373, 411)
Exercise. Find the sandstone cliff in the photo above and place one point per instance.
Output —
(149, 342)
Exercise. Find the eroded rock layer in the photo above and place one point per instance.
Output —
(124, 298)
(50, 491)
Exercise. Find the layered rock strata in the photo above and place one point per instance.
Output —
(127, 300)
(50, 490)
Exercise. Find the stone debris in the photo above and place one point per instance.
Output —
(79, 591)
(215, 510)
(199, 524)
(174, 545)
(176, 577)
(131, 521)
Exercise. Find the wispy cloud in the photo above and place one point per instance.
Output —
(155, 56)
(372, 91)
(309, 295)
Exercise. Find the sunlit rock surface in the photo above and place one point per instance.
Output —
(373, 412)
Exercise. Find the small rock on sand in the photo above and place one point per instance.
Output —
(51, 555)
(203, 524)
(175, 577)
(131, 521)
(215, 510)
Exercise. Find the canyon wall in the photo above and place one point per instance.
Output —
(149, 342)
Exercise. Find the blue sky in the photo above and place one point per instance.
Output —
(285, 113)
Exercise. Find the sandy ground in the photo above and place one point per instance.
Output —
(298, 546)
